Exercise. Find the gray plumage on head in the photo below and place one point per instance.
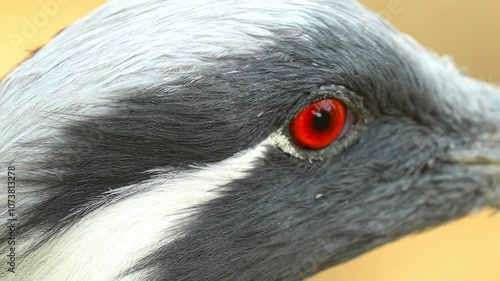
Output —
(151, 142)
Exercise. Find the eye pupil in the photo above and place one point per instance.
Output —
(321, 121)
(319, 124)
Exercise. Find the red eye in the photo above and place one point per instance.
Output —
(319, 124)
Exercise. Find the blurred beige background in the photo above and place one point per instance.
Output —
(469, 31)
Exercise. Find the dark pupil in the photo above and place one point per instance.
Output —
(321, 120)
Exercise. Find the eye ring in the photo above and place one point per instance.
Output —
(320, 124)
(357, 119)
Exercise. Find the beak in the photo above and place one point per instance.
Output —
(482, 157)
